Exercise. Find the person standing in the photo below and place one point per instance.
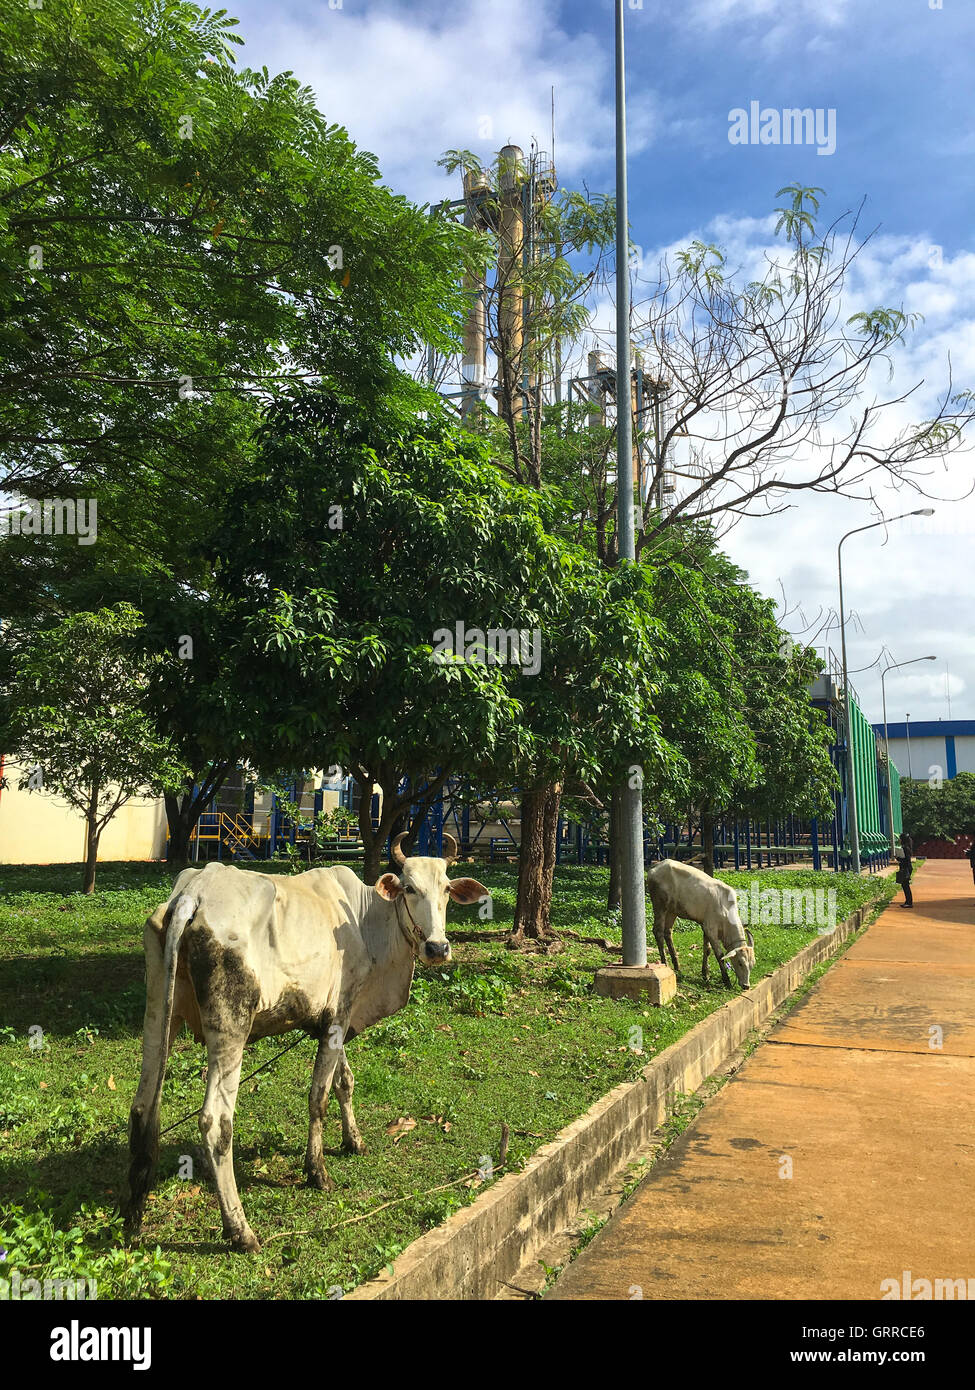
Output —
(905, 868)
(970, 856)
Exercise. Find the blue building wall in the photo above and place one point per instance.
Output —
(945, 744)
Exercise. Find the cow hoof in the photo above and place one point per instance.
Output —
(319, 1178)
(246, 1242)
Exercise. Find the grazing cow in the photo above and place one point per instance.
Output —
(240, 956)
(679, 890)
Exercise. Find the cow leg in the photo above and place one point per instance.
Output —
(327, 1060)
(225, 1052)
(344, 1086)
(658, 934)
(704, 960)
(711, 935)
(144, 1115)
(669, 921)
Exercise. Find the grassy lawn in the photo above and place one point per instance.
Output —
(494, 1038)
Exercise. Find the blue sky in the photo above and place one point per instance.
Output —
(409, 80)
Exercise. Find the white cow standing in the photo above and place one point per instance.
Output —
(240, 956)
(680, 890)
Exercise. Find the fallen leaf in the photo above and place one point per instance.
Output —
(43, 1085)
(110, 1083)
(400, 1127)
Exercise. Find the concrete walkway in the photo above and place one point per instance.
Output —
(875, 1125)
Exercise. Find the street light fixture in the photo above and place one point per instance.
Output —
(883, 694)
(848, 703)
(632, 889)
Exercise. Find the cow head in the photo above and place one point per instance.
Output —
(421, 893)
(742, 959)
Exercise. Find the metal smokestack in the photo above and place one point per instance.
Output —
(510, 254)
(476, 186)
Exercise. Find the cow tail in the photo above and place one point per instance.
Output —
(144, 1115)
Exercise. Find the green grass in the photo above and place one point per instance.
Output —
(495, 1038)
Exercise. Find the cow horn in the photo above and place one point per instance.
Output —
(749, 938)
(449, 847)
(396, 854)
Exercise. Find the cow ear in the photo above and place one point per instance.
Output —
(467, 890)
(389, 887)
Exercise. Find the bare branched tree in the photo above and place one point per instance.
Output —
(770, 391)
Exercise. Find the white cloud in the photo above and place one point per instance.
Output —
(717, 13)
(476, 76)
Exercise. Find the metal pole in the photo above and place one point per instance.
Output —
(634, 909)
(851, 773)
(851, 763)
(890, 792)
(910, 768)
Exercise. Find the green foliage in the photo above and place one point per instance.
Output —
(172, 195)
(44, 1239)
(733, 701)
(181, 240)
(332, 627)
(939, 812)
(799, 216)
(76, 713)
(884, 325)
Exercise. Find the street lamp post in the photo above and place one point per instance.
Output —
(883, 695)
(910, 769)
(632, 890)
(851, 780)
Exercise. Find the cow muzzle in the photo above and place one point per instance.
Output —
(436, 952)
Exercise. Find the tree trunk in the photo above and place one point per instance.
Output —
(91, 856)
(373, 841)
(371, 866)
(707, 842)
(181, 825)
(184, 809)
(536, 865)
(615, 897)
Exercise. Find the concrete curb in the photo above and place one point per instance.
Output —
(471, 1255)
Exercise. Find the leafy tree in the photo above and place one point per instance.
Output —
(366, 535)
(75, 719)
(589, 715)
(939, 812)
(961, 803)
(180, 243)
(176, 235)
(737, 694)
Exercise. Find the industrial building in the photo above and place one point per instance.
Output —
(930, 749)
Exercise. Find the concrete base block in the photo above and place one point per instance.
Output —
(656, 984)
